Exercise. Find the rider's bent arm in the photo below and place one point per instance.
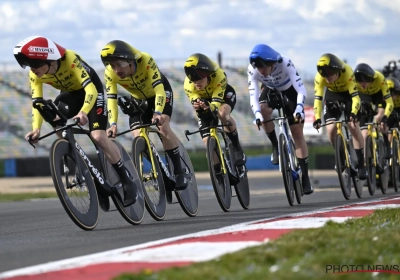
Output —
(297, 83)
(160, 97)
(387, 97)
(217, 97)
(319, 85)
(37, 93)
(112, 104)
(254, 90)
(87, 84)
(353, 91)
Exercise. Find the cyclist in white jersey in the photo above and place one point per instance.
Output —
(277, 73)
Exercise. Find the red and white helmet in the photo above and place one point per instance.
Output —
(37, 51)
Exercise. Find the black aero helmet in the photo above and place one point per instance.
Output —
(393, 85)
(364, 73)
(199, 66)
(329, 64)
(117, 49)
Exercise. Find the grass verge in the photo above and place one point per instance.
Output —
(371, 242)
(25, 196)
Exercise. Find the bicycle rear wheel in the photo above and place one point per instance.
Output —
(298, 189)
(154, 189)
(342, 168)
(241, 183)
(189, 197)
(220, 181)
(370, 165)
(75, 188)
(286, 170)
(395, 164)
(134, 213)
(383, 162)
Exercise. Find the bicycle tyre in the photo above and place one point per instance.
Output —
(189, 197)
(298, 188)
(384, 177)
(395, 164)
(370, 165)
(222, 191)
(134, 213)
(344, 171)
(157, 208)
(60, 149)
(242, 189)
(286, 170)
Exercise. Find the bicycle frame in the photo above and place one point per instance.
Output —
(395, 135)
(285, 130)
(374, 145)
(68, 134)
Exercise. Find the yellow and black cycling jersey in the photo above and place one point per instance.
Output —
(144, 84)
(379, 86)
(72, 75)
(345, 83)
(215, 90)
(396, 103)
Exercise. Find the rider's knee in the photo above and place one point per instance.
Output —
(266, 111)
(97, 136)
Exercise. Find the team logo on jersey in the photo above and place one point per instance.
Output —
(40, 49)
(96, 125)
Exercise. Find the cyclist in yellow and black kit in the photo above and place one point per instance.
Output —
(81, 90)
(393, 85)
(138, 73)
(206, 80)
(341, 87)
(373, 89)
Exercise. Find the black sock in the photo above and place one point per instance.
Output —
(119, 167)
(304, 165)
(176, 160)
(234, 136)
(272, 137)
(360, 156)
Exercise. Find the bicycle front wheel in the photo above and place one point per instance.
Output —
(134, 213)
(298, 188)
(286, 170)
(75, 187)
(395, 164)
(154, 188)
(342, 167)
(189, 197)
(220, 181)
(370, 165)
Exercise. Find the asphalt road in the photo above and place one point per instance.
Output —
(35, 232)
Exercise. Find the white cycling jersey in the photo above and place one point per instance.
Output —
(282, 77)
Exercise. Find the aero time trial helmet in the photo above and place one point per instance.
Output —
(364, 73)
(116, 50)
(262, 55)
(37, 51)
(393, 85)
(199, 66)
(329, 64)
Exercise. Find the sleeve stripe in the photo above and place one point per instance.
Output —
(318, 97)
(112, 96)
(354, 94)
(86, 82)
(156, 83)
(387, 96)
(217, 100)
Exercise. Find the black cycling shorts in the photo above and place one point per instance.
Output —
(98, 115)
(229, 98)
(342, 97)
(147, 116)
(290, 108)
